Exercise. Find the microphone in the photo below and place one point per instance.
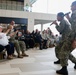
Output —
(52, 22)
(67, 13)
(64, 15)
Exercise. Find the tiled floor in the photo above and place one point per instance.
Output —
(39, 62)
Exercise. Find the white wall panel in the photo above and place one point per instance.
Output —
(30, 15)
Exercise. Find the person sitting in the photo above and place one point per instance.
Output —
(38, 39)
(19, 45)
(4, 43)
(44, 37)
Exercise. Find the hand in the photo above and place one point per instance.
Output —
(11, 34)
(10, 27)
(54, 22)
(16, 31)
(74, 44)
(67, 16)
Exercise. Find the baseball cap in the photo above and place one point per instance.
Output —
(73, 3)
(61, 14)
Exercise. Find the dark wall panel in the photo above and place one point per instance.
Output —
(19, 0)
(17, 20)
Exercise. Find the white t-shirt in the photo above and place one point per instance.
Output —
(3, 39)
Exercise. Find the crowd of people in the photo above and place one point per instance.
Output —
(18, 40)
(44, 39)
(8, 41)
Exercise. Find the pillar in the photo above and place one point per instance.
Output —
(41, 28)
(30, 25)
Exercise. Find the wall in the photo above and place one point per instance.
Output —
(11, 5)
(31, 16)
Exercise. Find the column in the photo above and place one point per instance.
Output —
(41, 28)
(30, 25)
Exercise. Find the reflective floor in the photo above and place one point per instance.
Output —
(39, 62)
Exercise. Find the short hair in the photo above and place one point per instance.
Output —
(73, 3)
(12, 22)
(61, 14)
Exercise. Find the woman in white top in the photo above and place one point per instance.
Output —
(4, 43)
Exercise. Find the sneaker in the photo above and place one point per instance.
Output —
(14, 55)
(20, 56)
(25, 55)
(9, 57)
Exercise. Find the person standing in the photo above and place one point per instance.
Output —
(69, 45)
(63, 28)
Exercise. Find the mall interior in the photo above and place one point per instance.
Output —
(39, 62)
